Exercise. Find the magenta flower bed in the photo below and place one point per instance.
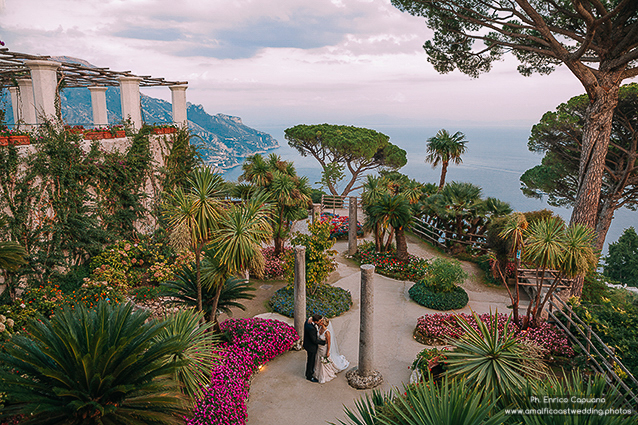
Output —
(253, 343)
(441, 327)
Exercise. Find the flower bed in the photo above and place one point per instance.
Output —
(439, 328)
(414, 269)
(339, 226)
(329, 301)
(253, 342)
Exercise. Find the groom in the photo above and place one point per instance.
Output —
(311, 344)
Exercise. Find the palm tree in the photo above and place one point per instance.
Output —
(183, 289)
(513, 232)
(444, 148)
(104, 365)
(289, 193)
(236, 246)
(395, 212)
(193, 215)
(12, 256)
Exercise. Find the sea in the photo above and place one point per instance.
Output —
(495, 159)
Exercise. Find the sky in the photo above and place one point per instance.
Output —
(284, 62)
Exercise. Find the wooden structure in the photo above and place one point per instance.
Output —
(439, 238)
(530, 277)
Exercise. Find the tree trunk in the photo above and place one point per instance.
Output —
(443, 173)
(377, 238)
(198, 252)
(598, 120)
(279, 244)
(402, 244)
(213, 313)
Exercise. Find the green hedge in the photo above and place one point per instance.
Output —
(443, 301)
(328, 301)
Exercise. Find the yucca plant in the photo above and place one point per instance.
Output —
(99, 366)
(493, 359)
(366, 407)
(565, 394)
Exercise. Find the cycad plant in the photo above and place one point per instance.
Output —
(108, 365)
(492, 358)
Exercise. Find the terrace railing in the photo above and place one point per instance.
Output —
(440, 238)
(600, 356)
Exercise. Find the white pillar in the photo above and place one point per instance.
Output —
(130, 97)
(26, 105)
(178, 99)
(15, 101)
(98, 104)
(45, 81)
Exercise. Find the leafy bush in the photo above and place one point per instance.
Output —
(424, 356)
(328, 301)
(439, 328)
(443, 301)
(319, 262)
(251, 343)
(386, 263)
(443, 275)
(615, 320)
(621, 264)
(43, 299)
(145, 293)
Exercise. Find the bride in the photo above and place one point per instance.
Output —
(329, 361)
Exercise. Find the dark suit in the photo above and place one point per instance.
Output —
(311, 344)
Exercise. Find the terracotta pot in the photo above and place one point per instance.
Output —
(164, 130)
(4, 141)
(19, 140)
(120, 133)
(94, 135)
(76, 130)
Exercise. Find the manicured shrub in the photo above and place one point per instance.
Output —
(386, 263)
(439, 328)
(251, 343)
(328, 301)
(443, 275)
(443, 301)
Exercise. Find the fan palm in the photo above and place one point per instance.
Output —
(193, 215)
(99, 366)
(493, 359)
(444, 148)
(12, 256)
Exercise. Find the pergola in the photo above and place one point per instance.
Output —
(33, 81)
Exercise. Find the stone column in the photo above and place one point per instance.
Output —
(178, 100)
(365, 376)
(316, 214)
(352, 226)
(300, 293)
(25, 104)
(130, 98)
(15, 101)
(45, 83)
(98, 104)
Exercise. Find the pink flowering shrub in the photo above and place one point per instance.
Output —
(274, 266)
(441, 327)
(253, 342)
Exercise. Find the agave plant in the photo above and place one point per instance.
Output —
(493, 358)
(450, 402)
(565, 394)
(99, 366)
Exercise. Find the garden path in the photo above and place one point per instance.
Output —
(280, 395)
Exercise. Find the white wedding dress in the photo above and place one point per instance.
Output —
(327, 370)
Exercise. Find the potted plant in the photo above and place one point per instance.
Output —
(164, 129)
(19, 137)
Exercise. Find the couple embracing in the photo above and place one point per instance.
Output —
(324, 360)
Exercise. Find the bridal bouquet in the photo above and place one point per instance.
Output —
(326, 360)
